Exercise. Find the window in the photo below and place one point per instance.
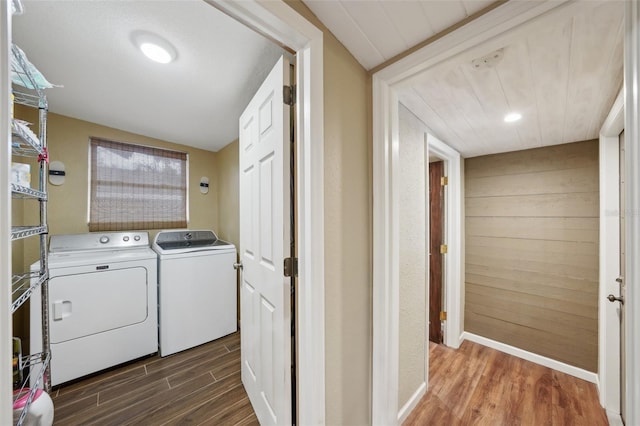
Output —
(136, 187)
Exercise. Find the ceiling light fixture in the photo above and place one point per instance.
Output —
(512, 116)
(154, 47)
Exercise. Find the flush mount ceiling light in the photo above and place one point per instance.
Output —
(154, 47)
(512, 116)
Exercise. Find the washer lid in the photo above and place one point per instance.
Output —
(188, 240)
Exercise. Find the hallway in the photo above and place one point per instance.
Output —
(476, 385)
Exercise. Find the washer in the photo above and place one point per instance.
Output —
(196, 287)
(102, 302)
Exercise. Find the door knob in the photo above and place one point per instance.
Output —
(237, 265)
(612, 298)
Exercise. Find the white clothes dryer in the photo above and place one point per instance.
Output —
(102, 302)
(197, 289)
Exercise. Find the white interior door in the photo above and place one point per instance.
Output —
(265, 307)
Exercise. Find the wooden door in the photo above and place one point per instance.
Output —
(265, 301)
(436, 232)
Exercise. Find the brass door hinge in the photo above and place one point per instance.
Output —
(443, 249)
(443, 316)
(289, 95)
(444, 181)
(291, 267)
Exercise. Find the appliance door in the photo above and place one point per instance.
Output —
(86, 304)
(198, 296)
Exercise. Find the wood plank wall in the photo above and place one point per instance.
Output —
(531, 235)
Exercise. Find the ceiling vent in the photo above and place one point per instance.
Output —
(488, 61)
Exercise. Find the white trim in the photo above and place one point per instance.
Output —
(412, 403)
(384, 404)
(632, 218)
(453, 239)
(284, 25)
(530, 356)
(385, 85)
(614, 418)
(6, 411)
(608, 320)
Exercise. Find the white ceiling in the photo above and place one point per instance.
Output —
(87, 47)
(377, 30)
(562, 71)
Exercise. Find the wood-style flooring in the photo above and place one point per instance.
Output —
(199, 386)
(476, 385)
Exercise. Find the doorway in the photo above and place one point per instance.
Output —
(437, 248)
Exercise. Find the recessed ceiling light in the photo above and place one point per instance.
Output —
(156, 53)
(512, 116)
(154, 47)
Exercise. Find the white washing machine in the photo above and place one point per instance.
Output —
(102, 302)
(196, 287)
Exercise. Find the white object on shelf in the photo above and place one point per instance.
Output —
(40, 411)
(21, 174)
(25, 74)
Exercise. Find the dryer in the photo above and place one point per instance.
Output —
(102, 302)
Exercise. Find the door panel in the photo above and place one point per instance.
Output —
(264, 244)
(85, 304)
(436, 232)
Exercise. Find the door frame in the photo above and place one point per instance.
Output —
(285, 26)
(453, 232)
(6, 394)
(608, 321)
(386, 85)
(632, 218)
(279, 22)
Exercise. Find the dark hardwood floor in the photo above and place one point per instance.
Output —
(476, 385)
(197, 386)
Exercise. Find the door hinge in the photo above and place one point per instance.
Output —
(444, 181)
(443, 249)
(443, 316)
(291, 267)
(289, 95)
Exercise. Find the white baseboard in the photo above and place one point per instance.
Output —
(614, 419)
(529, 356)
(412, 403)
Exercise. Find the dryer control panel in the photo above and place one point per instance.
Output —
(98, 241)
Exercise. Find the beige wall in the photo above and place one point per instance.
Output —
(227, 167)
(413, 256)
(532, 250)
(68, 140)
(347, 192)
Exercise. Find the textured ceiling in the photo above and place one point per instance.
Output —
(86, 46)
(562, 73)
(375, 31)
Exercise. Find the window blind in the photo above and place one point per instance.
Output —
(136, 187)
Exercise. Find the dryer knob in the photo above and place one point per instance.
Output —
(104, 239)
(125, 238)
(137, 238)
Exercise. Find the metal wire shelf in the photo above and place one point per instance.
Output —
(20, 69)
(23, 285)
(19, 191)
(22, 143)
(30, 362)
(19, 232)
